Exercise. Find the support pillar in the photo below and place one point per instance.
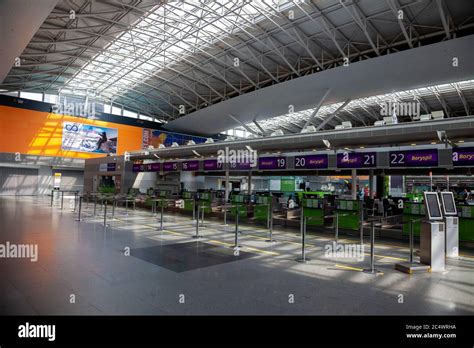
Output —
(354, 184)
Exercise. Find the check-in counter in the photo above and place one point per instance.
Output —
(261, 208)
(416, 211)
(466, 222)
(314, 208)
(349, 213)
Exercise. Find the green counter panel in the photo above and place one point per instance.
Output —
(314, 212)
(260, 212)
(188, 204)
(466, 229)
(416, 225)
(242, 211)
(350, 221)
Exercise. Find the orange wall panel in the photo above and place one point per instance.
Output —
(40, 133)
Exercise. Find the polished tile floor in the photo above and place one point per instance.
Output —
(130, 267)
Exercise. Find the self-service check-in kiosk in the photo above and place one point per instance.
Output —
(451, 221)
(432, 237)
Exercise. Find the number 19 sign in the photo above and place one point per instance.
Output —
(357, 160)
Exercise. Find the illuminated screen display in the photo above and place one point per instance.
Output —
(190, 165)
(212, 164)
(272, 163)
(414, 158)
(311, 162)
(170, 166)
(357, 160)
(463, 156)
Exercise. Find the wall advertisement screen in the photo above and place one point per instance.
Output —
(88, 138)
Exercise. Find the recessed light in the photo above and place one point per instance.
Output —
(361, 147)
(461, 141)
(413, 144)
(433, 143)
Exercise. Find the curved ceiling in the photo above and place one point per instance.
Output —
(175, 59)
(419, 67)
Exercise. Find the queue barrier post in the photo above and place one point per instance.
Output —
(105, 211)
(80, 209)
(303, 258)
(236, 240)
(372, 269)
(197, 236)
(270, 210)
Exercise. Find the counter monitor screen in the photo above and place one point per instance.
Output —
(449, 207)
(433, 207)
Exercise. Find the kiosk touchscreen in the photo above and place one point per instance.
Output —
(432, 238)
(452, 224)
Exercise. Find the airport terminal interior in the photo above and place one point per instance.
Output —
(224, 157)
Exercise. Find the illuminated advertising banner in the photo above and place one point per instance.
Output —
(190, 166)
(156, 138)
(414, 158)
(170, 166)
(212, 164)
(272, 163)
(357, 160)
(311, 162)
(80, 137)
(463, 157)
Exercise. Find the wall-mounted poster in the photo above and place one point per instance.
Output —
(88, 138)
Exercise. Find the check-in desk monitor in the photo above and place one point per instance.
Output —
(452, 224)
(432, 238)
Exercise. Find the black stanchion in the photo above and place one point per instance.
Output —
(62, 199)
(372, 269)
(52, 197)
(95, 204)
(80, 209)
(161, 218)
(271, 240)
(236, 240)
(105, 212)
(303, 258)
(197, 236)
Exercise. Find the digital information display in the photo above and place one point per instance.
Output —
(448, 203)
(138, 168)
(357, 160)
(212, 164)
(311, 162)
(432, 205)
(463, 156)
(153, 167)
(240, 165)
(148, 167)
(190, 166)
(170, 166)
(272, 163)
(414, 158)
